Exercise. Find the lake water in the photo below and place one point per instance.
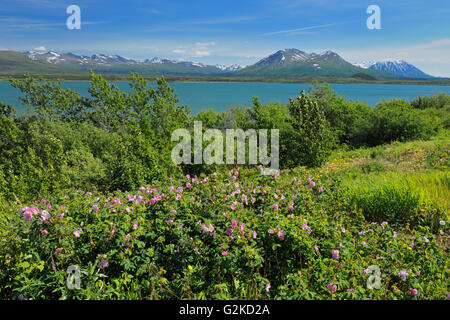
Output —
(221, 96)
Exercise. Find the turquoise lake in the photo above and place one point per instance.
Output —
(221, 96)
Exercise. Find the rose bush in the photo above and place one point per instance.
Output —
(231, 234)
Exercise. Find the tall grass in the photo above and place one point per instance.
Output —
(401, 197)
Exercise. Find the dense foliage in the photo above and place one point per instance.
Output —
(120, 140)
(310, 141)
(238, 235)
(88, 181)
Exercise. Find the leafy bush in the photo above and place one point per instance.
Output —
(70, 178)
(233, 234)
(350, 121)
(310, 140)
(398, 120)
(438, 106)
(31, 159)
(135, 163)
(111, 140)
(438, 101)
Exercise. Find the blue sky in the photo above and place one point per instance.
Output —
(229, 32)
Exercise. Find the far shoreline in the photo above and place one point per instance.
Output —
(241, 79)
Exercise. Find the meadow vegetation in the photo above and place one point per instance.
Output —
(89, 181)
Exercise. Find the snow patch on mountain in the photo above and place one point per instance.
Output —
(395, 66)
(364, 64)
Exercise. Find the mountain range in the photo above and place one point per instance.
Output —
(398, 67)
(287, 63)
(118, 64)
(297, 63)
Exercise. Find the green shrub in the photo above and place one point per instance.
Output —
(134, 164)
(349, 120)
(162, 243)
(311, 140)
(398, 120)
(437, 101)
(111, 140)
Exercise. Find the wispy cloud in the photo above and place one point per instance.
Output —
(300, 30)
(41, 48)
(14, 23)
(197, 50)
(33, 4)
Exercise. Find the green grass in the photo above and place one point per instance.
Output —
(438, 142)
(399, 181)
(397, 196)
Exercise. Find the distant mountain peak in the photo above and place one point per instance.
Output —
(297, 63)
(392, 60)
(289, 62)
(296, 56)
(330, 55)
(54, 57)
(364, 64)
(154, 60)
(100, 60)
(233, 67)
(396, 66)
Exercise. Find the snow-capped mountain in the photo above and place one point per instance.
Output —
(295, 56)
(162, 61)
(297, 63)
(364, 64)
(283, 63)
(58, 58)
(50, 56)
(397, 67)
(102, 58)
(64, 58)
(120, 64)
(231, 68)
(158, 60)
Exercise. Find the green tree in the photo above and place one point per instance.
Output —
(48, 100)
(311, 139)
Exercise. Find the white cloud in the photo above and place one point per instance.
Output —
(179, 51)
(26, 25)
(200, 53)
(41, 48)
(198, 50)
